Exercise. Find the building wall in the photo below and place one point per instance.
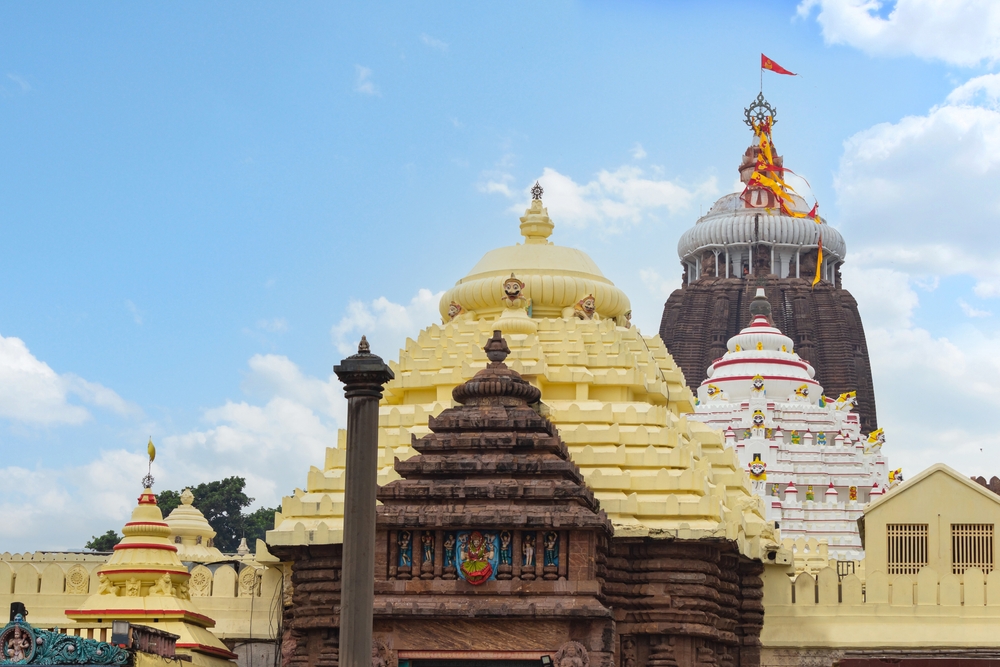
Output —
(939, 500)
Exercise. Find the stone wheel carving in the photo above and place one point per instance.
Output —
(77, 580)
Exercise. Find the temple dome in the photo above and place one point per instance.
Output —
(191, 533)
(731, 222)
(555, 277)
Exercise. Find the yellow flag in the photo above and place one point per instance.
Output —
(152, 450)
(819, 260)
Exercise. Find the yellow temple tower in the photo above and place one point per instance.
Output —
(617, 398)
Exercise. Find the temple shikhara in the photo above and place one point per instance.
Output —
(555, 488)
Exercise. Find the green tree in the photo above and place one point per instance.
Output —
(105, 542)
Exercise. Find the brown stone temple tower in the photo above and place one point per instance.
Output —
(744, 242)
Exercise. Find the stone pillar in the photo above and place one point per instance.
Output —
(363, 375)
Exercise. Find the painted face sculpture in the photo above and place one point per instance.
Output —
(803, 391)
(713, 391)
(758, 383)
(589, 305)
(512, 287)
(758, 418)
(758, 469)
(454, 310)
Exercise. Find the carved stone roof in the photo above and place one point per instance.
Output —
(492, 461)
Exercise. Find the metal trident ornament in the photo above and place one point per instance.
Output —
(536, 191)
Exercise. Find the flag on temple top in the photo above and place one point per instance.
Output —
(768, 64)
(819, 260)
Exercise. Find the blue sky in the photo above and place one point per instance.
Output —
(203, 206)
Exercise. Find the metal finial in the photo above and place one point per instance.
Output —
(496, 348)
(363, 347)
(759, 111)
(536, 191)
(147, 481)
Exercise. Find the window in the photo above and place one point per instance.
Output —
(906, 547)
(971, 546)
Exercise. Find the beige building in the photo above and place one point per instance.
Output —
(930, 586)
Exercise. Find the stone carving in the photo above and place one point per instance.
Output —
(22, 644)
(551, 568)
(449, 571)
(105, 587)
(528, 553)
(77, 580)
(405, 555)
(201, 581)
(163, 586)
(630, 653)
(506, 556)
(18, 644)
(454, 310)
(572, 654)
(586, 308)
(853, 493)
(513, 293)
(380, 654)
(477, 555)
(132, 588)
(427, 555)
(248, 580)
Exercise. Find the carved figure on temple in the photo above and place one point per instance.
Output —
(454, 310)
(132, 588)
(801, 393)
(758, 385)
(405, 549)
(477, 551)
(625, 320)
(505, 548)
(379, 652)
(105, 587)
(757, 423)
(809, 493)
(875, 441)
(16, 645)
(895, 477)
(775, 491)
(449, 571)
(853, 493)
(528, 557)
(758, 474)
(821, 438)
(513, 294)
(572, 654)
(427, 540)
(715, 393)
(796, 437)
(586, 308)
(551, 548)
(846, 401)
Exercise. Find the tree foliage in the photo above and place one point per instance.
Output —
(222, 502)
(105, 542)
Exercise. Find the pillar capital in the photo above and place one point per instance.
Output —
(364, 373)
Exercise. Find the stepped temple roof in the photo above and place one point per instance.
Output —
(616, 397)
(192, 533)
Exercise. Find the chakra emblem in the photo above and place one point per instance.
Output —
(759, 111)
(536, 191)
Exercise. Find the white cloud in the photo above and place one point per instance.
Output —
(136, 315)
(958, 32)
(638, 152)
(433, 42)
(32, 393)
(22, 84)
(656, 284)
(614, 200)
(364, 83)
(386, 324)
(277, 325)
(970, 311)
(920, 194)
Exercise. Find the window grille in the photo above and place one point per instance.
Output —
(971, 546)
(906, 547)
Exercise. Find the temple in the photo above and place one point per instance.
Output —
(805, 453)
(580, 496)
(758, 239)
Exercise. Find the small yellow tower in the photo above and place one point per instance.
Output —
(145, 582)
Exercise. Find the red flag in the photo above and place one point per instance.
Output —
(770, 65)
